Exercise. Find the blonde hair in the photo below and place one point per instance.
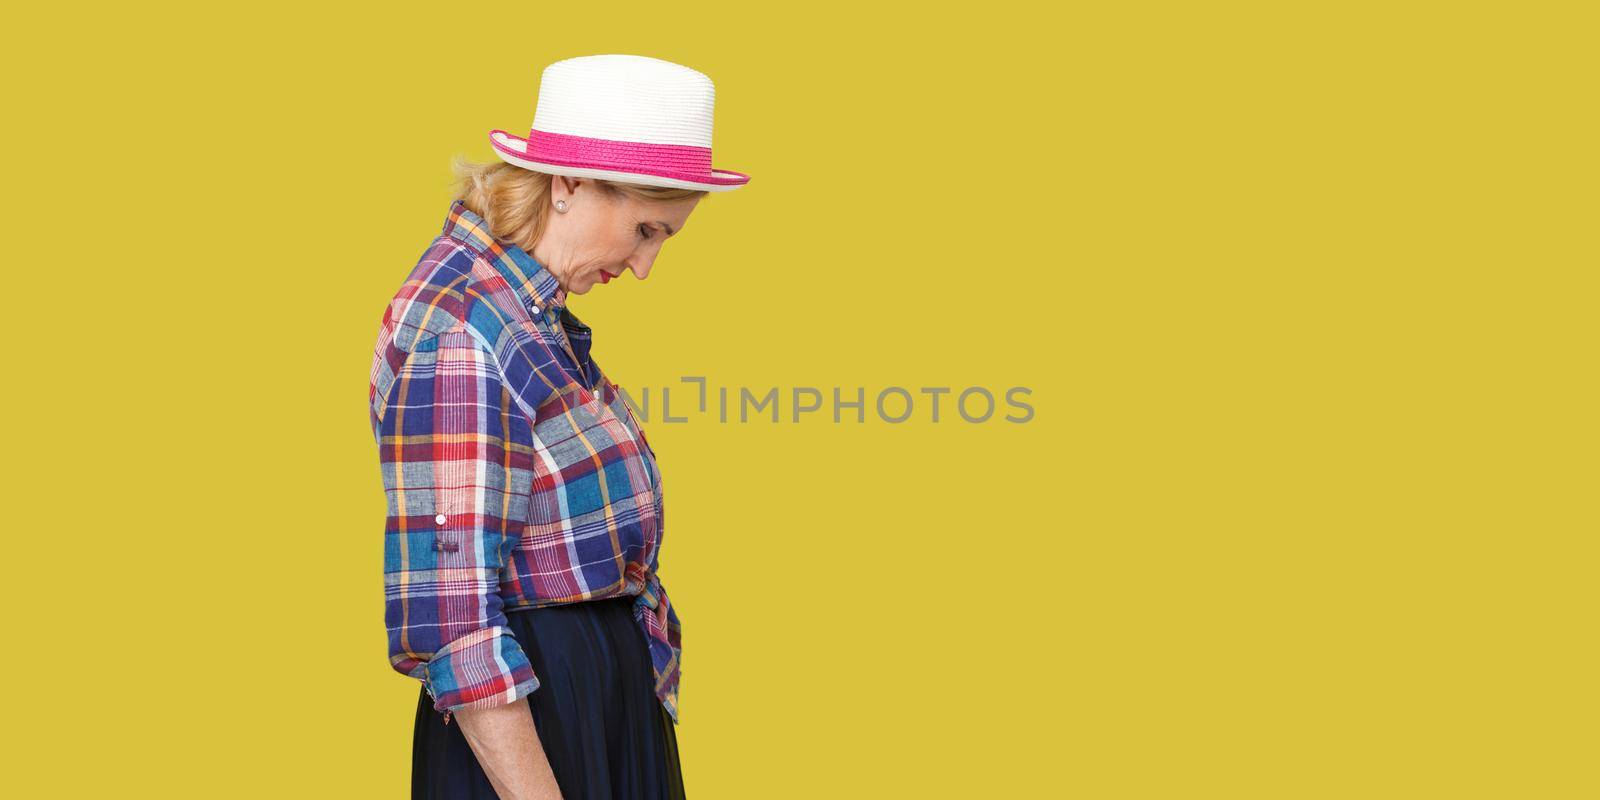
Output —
(513, 200)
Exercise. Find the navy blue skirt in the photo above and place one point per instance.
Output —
(603, 730)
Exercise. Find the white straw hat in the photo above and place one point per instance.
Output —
(626, 118)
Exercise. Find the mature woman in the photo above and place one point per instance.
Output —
(525, 509)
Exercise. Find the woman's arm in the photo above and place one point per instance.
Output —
(508, 748)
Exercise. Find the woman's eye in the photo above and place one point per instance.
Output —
(644, 232)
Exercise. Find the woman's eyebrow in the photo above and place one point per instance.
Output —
(670, 231)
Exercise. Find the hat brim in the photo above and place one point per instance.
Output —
(513, 149)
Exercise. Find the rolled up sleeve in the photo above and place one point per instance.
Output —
(457, 473)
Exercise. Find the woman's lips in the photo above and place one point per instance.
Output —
(605, 277)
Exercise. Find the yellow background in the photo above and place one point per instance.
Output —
(1304, 295)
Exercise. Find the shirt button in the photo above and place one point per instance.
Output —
(440, 519)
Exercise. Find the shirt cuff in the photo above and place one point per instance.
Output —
(482, 669)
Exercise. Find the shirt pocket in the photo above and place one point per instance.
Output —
(617, 402)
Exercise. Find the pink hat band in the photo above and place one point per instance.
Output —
(625, 118)
(677, 161)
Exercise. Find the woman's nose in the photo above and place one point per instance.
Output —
(640, 265)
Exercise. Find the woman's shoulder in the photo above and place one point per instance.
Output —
(434, 298)
(438, 295)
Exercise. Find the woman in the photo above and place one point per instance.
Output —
(525, 505)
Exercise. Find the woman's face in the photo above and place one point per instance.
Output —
(601, 236)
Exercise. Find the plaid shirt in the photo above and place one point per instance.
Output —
(516, 476)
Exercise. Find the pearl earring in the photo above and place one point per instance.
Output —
(561, 206)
